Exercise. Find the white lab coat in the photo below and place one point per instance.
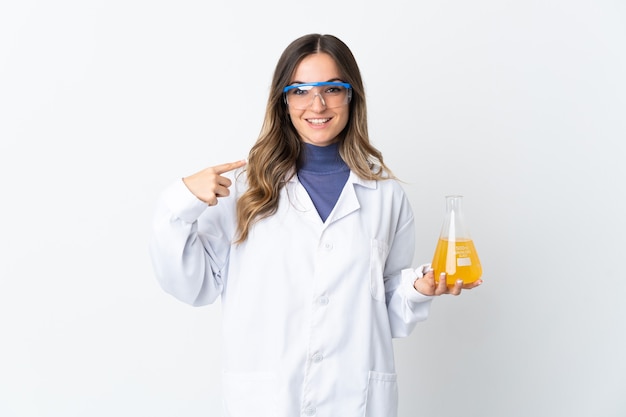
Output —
(309, 307)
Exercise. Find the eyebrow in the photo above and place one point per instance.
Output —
(328, 81)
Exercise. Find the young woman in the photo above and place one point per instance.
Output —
(309, 244)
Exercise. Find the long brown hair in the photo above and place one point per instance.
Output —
(273, 158)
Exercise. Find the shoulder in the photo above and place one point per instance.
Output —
(386, 180)
(239, 178)
(387, 188)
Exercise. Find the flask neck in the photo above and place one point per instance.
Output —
(454, 227)
(454, 203)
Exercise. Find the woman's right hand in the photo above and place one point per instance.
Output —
(209, 184)
(428, 286)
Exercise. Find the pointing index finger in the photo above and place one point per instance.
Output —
(220, 169)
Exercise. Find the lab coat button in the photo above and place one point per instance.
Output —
(323, 300)
(317, 358)
(328, 246)
(309, 411)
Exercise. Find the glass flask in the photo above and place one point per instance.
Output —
(455, 253)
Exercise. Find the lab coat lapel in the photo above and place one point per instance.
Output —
(301, 201)
(348, 200)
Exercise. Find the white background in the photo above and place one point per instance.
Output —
(518, 105)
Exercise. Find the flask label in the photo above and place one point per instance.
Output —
(463, 262)
(458, 259)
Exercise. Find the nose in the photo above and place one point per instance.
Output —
(318, 105)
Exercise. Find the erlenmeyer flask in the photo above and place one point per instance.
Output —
(455, 253)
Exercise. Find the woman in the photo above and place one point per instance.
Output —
(309, 244)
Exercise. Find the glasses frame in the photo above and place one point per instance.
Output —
(347, 86)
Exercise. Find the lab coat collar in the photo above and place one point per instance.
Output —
(347, 203)
(352, 179)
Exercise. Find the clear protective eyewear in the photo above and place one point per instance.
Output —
(332, 94)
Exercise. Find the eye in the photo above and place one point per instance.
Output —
(334, 90)
(300, 91)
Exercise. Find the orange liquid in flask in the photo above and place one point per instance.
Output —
(458, 259)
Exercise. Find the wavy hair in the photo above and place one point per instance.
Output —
(274, 158)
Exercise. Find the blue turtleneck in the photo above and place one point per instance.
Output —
(323, 174)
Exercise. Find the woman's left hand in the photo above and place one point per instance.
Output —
(427, 285)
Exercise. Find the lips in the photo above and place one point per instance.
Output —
(318, 122)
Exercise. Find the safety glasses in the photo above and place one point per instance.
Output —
(331, 94)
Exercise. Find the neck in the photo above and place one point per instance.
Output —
(321, 158)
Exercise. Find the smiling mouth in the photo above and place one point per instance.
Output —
(318, 122)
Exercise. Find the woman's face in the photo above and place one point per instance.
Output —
(317, 124)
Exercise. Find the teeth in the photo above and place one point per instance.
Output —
(318, 121)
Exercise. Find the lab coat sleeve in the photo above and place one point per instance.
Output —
(188, 262)
(405, 305)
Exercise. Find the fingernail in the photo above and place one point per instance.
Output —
(443, 274)
(459, 281)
